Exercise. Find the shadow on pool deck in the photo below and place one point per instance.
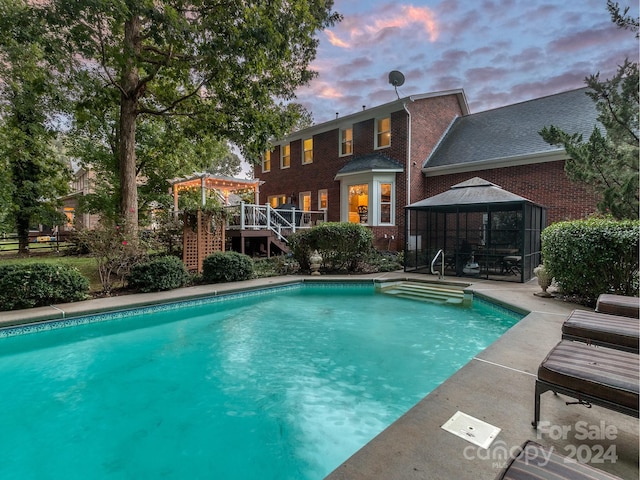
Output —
(497, 386)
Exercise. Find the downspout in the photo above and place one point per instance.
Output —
(404, 105)
(407, 222)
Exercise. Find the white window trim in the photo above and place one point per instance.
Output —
(376, 133)
(282, 156)
(264, 157)
(305, 151)
(320, 192)
(373, 180)
(378, 186)
(301, 195)
(340, 141)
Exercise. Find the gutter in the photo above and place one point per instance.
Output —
(518, 160)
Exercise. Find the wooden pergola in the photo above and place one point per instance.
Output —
(222, 184)
(200, 237)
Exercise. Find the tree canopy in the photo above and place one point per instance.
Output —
(34, 171)
(174, 70)
(608, 160)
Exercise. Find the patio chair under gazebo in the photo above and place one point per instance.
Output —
(480, 229)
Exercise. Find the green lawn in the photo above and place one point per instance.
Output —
(86, 265)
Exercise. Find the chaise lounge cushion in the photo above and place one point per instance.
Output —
(605, 373)
(618, 305)
(603, 329)
(537, 462)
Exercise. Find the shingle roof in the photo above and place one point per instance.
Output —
(512, 131)
(475, 191)
(370, 162)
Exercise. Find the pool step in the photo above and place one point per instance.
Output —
(427, 292)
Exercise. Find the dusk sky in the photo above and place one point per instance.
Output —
(500, 52)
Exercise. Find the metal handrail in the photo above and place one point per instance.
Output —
(441, 274)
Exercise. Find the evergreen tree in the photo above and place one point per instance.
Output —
(608, 160)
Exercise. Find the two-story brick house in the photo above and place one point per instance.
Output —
(364, 167)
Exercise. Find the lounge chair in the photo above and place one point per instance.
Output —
(614, 331)
(618, 305)
(534, 461)
(599, 375)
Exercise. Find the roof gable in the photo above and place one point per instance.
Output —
(512, 131)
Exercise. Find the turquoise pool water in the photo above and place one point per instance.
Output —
(285, 384)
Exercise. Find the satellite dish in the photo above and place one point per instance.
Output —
(396, 79)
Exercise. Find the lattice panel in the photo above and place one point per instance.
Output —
(200, 240)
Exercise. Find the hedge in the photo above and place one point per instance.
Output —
(159, 274)
(343, 246)
(40, 284)
(594, 256)
(222, 267)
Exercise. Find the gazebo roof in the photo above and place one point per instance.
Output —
(475, 191)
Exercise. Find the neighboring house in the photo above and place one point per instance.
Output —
(81, 185)
(366, 167)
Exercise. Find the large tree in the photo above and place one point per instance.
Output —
(34, 173)
(227, 69)
(608, 159)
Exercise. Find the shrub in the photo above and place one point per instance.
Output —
(226, 267)
(594, 256)
(115, 251)
(383, 262)
(342, 245)
(40, 284)
(275, 266)
(158, 274)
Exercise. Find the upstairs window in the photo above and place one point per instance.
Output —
(266, 161)
(346, 141)
(383, 132)
(307, 151)
(285, 158)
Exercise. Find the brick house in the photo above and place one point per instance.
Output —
(366, 167)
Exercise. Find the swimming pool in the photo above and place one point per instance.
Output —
(282, 383)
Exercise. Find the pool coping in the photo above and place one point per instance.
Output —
(415, 446)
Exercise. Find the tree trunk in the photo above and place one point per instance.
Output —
(129, 96)
(22, 229)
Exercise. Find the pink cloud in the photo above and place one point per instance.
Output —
(357, 31)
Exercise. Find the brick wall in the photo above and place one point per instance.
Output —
(543, 183)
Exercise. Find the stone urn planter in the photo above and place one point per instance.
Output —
(315, 260)
(544, 280)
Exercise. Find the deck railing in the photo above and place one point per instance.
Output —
(282, 222)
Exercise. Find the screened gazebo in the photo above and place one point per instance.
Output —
(475, 229)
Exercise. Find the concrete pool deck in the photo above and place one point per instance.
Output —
(497, 387)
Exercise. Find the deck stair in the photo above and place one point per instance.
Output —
(443, 294)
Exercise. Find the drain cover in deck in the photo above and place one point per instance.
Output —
(471, 429)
